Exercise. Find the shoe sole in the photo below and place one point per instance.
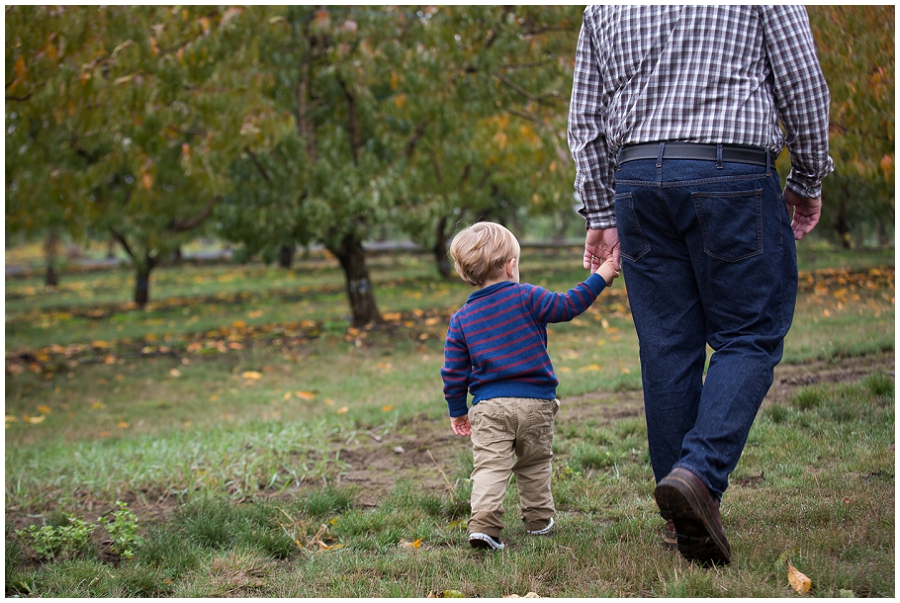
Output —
(542, 532)
(478, 543)
(698, 539)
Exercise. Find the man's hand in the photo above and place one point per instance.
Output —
(805, 212)
(461, 426)
(600, 245)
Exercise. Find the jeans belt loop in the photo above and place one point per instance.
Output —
(659, 158)
(618, 154)
(719, 157)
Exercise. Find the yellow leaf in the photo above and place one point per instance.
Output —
(44, 409)
(329, 401)
(305, 395)
(34, 420)
(97, 405)
(590, 367)
(213, 398)
(238, 324)
(343, 410)
(175, 372)
(400, 100)
(625, 370)
(799, 582)
(287, 395)
(255, 314)
(415, 544)
(387, 408)
(123, 425)
(11, 419)
(251, 375)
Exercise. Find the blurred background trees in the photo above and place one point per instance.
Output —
(279, 127)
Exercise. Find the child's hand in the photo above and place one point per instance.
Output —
(461, 425)
(608, 271)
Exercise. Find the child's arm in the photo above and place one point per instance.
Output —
(547, 306)
(460, 425)
(456, 370)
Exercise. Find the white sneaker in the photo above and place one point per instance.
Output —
(482, 541)
(543, 531)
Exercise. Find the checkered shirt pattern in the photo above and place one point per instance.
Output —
(701, 74)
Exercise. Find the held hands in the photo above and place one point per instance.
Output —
(600, 245)
(805, 214)
(461, 425)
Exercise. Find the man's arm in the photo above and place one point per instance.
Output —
(587, 140)
(802, 98)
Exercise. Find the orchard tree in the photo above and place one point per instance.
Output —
(855, 45)
(130, 118)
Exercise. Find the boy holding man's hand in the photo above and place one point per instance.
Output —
(496, 348)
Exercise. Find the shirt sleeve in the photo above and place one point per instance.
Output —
(456, 370)
(550, 307)
(801, 96)
(595, 178)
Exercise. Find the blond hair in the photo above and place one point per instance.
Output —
(480, 251)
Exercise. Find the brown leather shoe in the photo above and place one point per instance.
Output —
(685, 500)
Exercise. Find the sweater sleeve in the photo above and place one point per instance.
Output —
(549, 307)
(456, 370)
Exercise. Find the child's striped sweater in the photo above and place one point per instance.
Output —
(497, 341)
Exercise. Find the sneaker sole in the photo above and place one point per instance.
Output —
(697, 539)
(542, 532)
(478, 543)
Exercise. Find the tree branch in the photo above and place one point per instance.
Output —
(417, 135)
(177, 226)
(352, 123)
(259, 166)
(122, 241)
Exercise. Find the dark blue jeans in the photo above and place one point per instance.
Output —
(708, 257)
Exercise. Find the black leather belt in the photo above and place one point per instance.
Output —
(689, 150)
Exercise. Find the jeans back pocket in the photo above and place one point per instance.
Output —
(632, 242)
(731, 223)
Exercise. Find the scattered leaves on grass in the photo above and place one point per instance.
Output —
(798, 580)
(252, 375)
(44, 409)
(34, 420)
(415, 544)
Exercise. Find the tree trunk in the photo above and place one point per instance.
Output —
(142, 286)
(286, 256)
(51, 251)
(440, 248)
(842, 225)
(360, 294)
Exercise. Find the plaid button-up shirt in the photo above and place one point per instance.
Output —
(702, 74)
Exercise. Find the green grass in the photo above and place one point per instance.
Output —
(268, 467)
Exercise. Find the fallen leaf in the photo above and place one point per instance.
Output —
(328, 401)
(288, 395)
(590, 367)
(11, 419)
(123, 425)
(387, 408)
(798, 580)
(175, 373)
(415, 544)
(251, 375)
(445, 594)
(305, 395)
(44, 409)
(34, 420)
(399, 449)
(343, 410)
(97, 405)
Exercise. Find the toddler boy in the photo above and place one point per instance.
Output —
(496, 348)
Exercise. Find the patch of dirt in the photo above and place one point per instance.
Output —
(376, 466)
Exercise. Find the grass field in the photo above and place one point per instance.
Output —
(265, 449)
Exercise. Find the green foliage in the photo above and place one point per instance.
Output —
(123, 529)
(70, 539)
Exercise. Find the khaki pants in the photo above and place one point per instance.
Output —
(511, 435)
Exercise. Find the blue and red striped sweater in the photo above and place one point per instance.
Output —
(497, 341)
